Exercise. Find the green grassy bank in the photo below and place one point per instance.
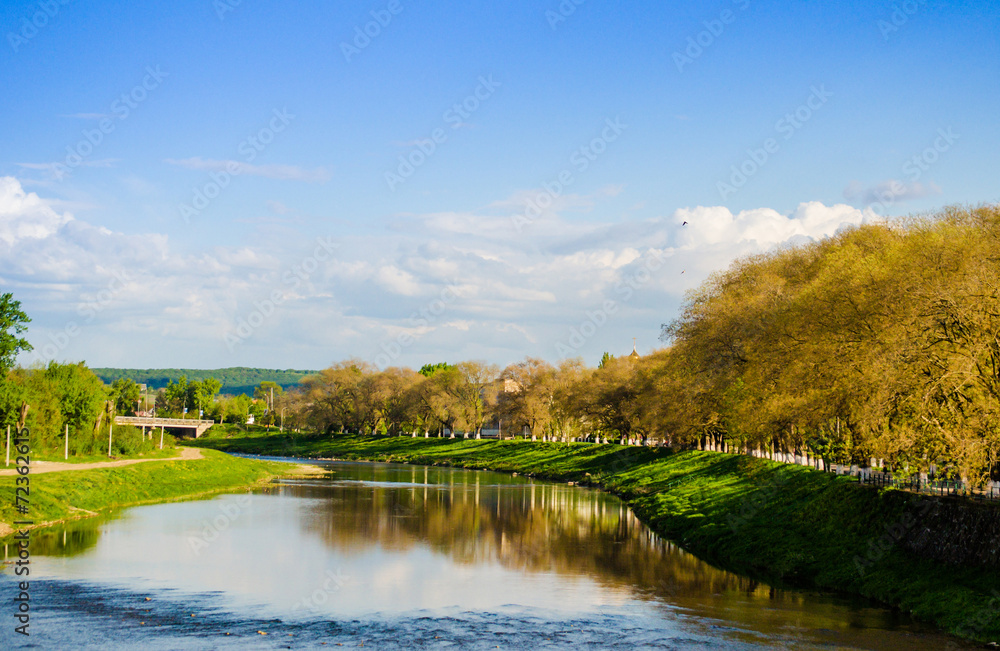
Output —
(786, 525)
(57, 457)
(71, 494)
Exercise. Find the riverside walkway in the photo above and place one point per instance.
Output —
(38, 467)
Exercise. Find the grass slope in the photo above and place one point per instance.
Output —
(73, 493)
(57, 456)
(784, 524)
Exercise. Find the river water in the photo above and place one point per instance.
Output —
(390, 556)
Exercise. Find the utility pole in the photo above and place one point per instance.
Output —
(111, 425)
(66, 452)
(8, 445)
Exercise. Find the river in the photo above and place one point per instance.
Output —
(392, 556)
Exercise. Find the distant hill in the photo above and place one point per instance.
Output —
(234, 380)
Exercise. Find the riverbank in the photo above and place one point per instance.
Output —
(782, 524)
(72, 494)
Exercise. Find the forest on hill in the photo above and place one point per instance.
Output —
(235, 380)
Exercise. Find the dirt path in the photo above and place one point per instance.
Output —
(187, 454)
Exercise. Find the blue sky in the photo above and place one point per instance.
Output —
(219, 184)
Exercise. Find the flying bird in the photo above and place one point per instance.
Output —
(684, 224)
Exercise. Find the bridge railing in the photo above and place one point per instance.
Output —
(166, 422)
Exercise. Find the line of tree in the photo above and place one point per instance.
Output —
(531, 397)
(880, 342)
(201, 398)
(47, 400)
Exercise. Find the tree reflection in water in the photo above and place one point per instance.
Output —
(536, 527)
(552, 545)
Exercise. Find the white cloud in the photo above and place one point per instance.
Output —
(458, 291)
(764, 227)
(506, 327)
(277, 207)
(397, 281)
(23, 215)
(280, 172)
(888, 192)
(539, 203)
(57, 170)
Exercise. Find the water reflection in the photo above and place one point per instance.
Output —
(438, 552)
(523, 526)
(539, 527)
(67, 539)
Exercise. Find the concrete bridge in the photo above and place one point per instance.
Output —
(197, 426)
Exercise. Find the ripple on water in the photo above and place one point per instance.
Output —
(82, 615)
